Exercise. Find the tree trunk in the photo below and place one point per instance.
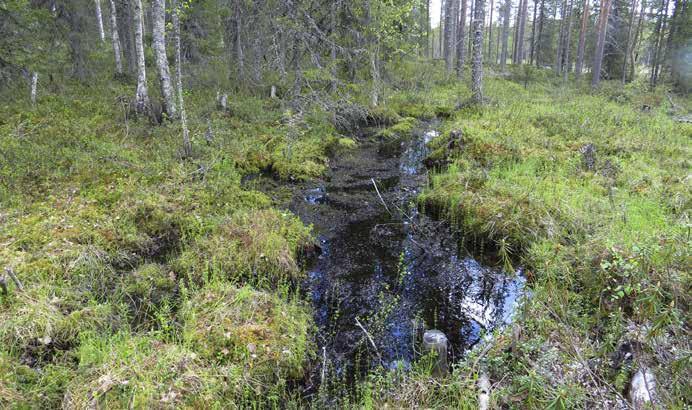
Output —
(477, 67)
(633, 11)
(449, 35)
(332, 46)
(505, 34)
(116, 39)
(187, 145)
(533, 31)
(142, 93)
(159, 44)
(441, 28)
(516, 33)
(461, 40)
(240, 57)
(561, 39)
(568, 41)
(637, 36)
(34, 87)
(658, 47)
(99, 20)
(582, 39)
(127, 34)
(490, 33)
(541, 18)
(428, 49)
(600, 43)
(522, 30)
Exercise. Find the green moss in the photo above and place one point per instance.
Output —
(259, 246)
(130, 371)
(255, 333)
(401, 129)
(40, 325)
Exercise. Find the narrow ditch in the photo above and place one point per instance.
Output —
(385, 271)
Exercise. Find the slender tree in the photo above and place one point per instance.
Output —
(461, 38)
(115, 39)
(490, 32)
(533, 31)
(582, 38)
(159, 45)
(187, 145)
(99, 21)
(626, 54)
(521, 30)
(505, 33)
(559, 50)
(142, 93)
(600, 43)
(539, 38)
(568, 41)
(477, 66)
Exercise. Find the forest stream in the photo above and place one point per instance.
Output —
(384, 272)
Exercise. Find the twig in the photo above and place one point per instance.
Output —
(15, 279)
(372, 342)
(324, 363)
(378, 194)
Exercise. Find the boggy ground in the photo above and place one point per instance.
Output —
(154, 282)
(384, 268)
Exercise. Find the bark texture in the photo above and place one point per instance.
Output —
(115, 39)
(477, 67)
(461, 38)
(187, 145)
(582, 39)
(505, 33)
(99, 21)
(142, 93)
(600, 43)
(158, 9)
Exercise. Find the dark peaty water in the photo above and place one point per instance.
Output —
(388, 269)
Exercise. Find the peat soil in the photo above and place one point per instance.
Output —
(384, 272)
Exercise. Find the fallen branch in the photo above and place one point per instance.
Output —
(15, 279)
(372, 342)
(378, 194)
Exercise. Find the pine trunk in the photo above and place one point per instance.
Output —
(582, 38)
(533, 31)
(505, 34)
(461, 43)
(600, 43)
(633, 11)
(568, 41)
(490, 32)
(477, 67)
(522, 29)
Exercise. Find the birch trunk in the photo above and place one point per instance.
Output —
(477, 67)
(461, 40)
(582, 39)
(187, 145)
(505, 34)
(99, 21)
(142, 93)
(158, 10)
(116, 39)
(34, 87)
(600, 43)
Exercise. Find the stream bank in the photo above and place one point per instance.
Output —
(384, 271)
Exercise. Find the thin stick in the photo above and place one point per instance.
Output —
(15, 279)
(378, 194)
(372, 342)
(324, 363)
